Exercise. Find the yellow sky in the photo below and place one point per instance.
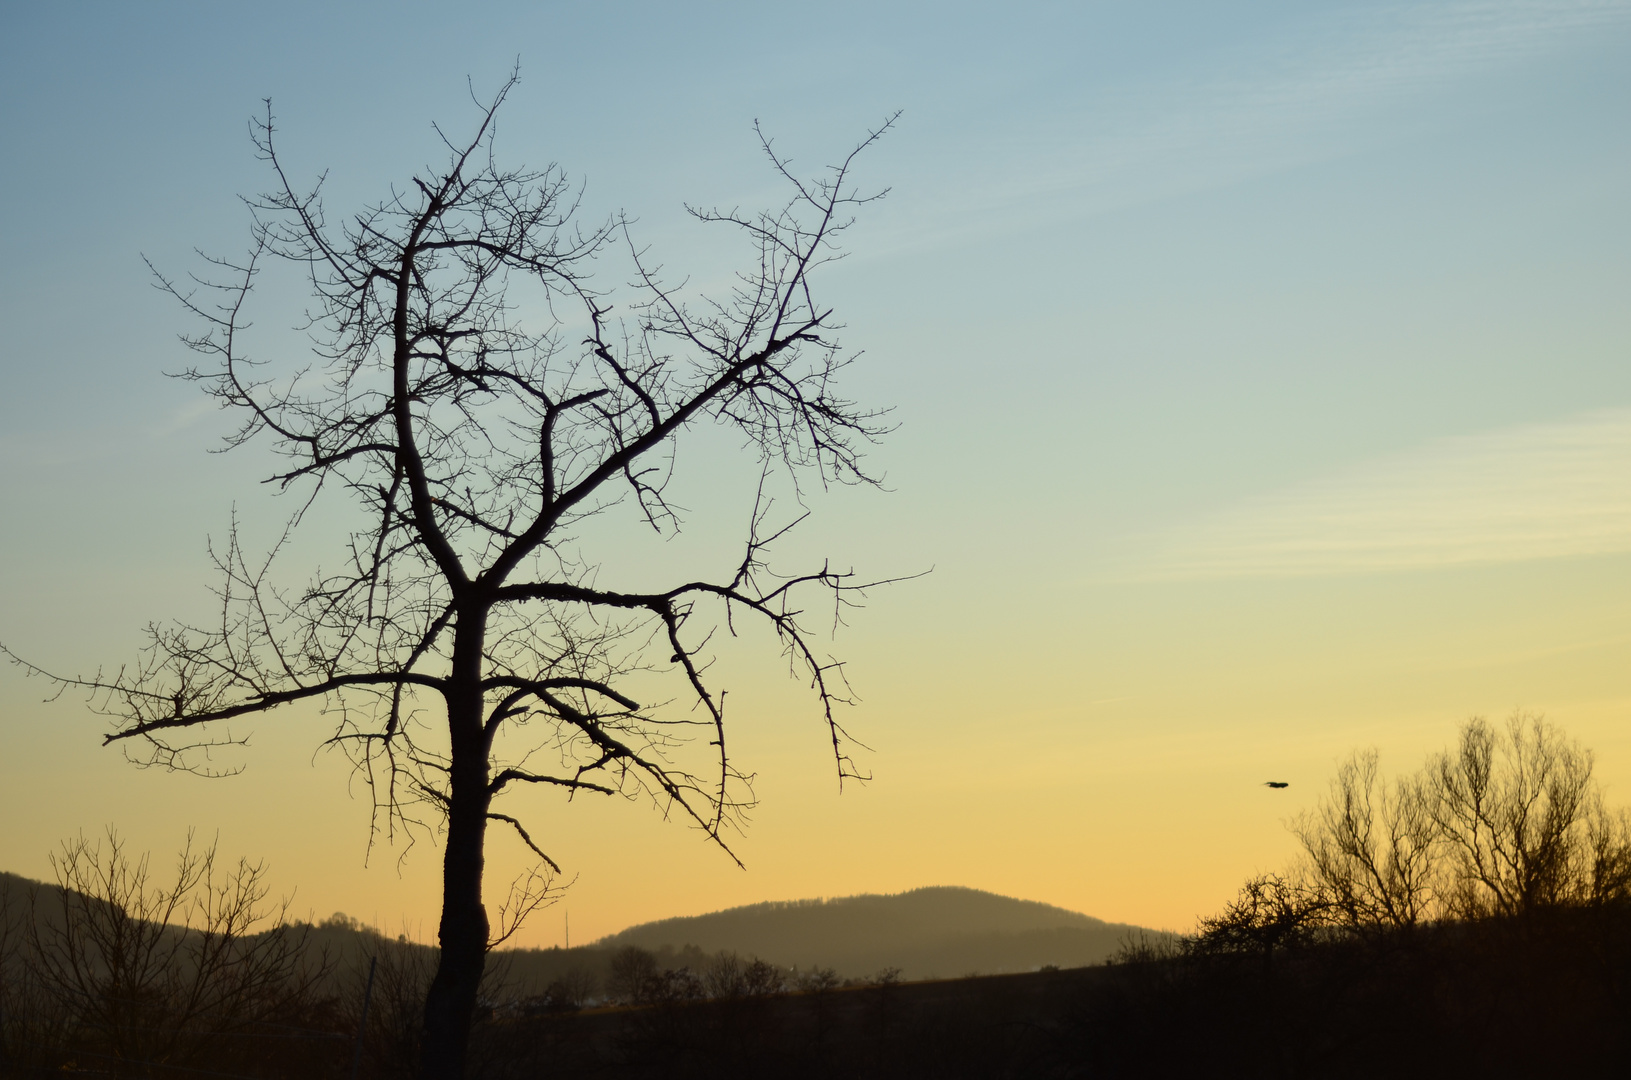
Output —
(1104, 754)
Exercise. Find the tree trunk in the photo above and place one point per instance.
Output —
(451, 1003)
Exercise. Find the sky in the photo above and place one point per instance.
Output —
(1259, 375)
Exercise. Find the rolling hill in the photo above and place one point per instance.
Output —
(941, 930)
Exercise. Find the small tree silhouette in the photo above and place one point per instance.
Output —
(1272, 912)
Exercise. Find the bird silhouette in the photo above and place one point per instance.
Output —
(1276, 783)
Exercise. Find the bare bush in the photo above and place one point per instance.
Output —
(124, 968)
(725, 977)
(1141, 947)
(401, 973)
(1604, 859)
(1273, 912)
(1370, 845)
(631, 968)
(1514, 807)
(818, 980)
(1507, 822)
(761, 979)
(671, 986)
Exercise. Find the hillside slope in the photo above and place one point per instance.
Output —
(932, 931)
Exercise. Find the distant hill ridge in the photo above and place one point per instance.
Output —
(941, 929)
(927, 912)
(938, 931)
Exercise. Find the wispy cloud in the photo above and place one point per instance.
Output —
(1311, 94)
(50, 445)
(1532, 492)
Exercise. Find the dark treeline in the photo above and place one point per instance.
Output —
(1541, 993)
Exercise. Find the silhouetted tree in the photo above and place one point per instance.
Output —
(1522, 822)
(1506, 823)
(632, 969)
(476, 446)
(725, 976)
(144, 971)
(1273, 912)
(1371, 845)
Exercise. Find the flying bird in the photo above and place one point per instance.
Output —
(1276, 783)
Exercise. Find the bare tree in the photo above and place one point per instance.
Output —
(724, 976)
(1512, 806)
(1603, 860)
(1371, 845)
(1507, 822)
(631, 969)
(475, 445)
(727, 977)
(149, 971)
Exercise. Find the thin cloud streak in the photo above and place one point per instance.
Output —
(1538, 491)
(1310, 97)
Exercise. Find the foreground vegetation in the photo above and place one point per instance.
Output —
(1500, 998)
(1472, 918)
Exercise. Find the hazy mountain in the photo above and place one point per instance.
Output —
(942, 930)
